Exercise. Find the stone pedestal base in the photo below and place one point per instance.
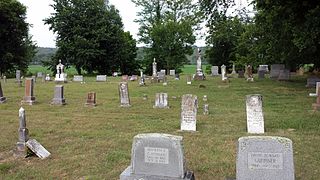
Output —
(28, 100)
(128, 175)
(2, 99)
(21, 150)
(56, 101)
(90, 104)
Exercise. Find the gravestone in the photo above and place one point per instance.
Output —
(78, 78)
(2, 98)
(240, 74)
(255, 120)
(265, 157)
(142, 81)
(124, 94)
(101, 78)
(189, 79)
(39, 74)
(215, 70)
(18, 76)
(91, 99)
(233, 69)
(317, 91)
(189, 112)
(316, 106)
(21, 148)
(199, 72)
(161, 100)
(163, 71)
(224, 73)
(275, 70)
(154, 68)
(249, 73)
(58, 98)
(125, 77)
(4, 79)
(28, 93)
(172, 72)
(37, 148)
(312, 81)
(261, 74)
(157, 157)
(48, 77)
(205, 109)
(284, 75)
(61, 76)
(133, 78)
(177, 77)
(263, 68)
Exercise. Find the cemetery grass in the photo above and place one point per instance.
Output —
(95, 143)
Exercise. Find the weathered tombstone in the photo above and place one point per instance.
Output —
(125, 77)
(157, 157)
(34, 79)
(316, 105)
(39, 74)
(78, 78)
(61, 76)
(145, 97)
(29, 95)
(233, 69)
(263, 68)
(163, 71)
(265, 157)
(161, 76)
(101, 78)
(189, 79)
(172, 72)
(249, 73)
(5, 79)
(124, 95)
(240, 74)
(18, 76)
(224, 73)
(205, 109)
(21, 148)
(312, 81)
(2, 98)
(189, 112)
(161, 100)
(275, 70)
(215, 70)
(48, 77)
(91, 99)
(58, 98)
(255, 120)
(154, 68)
(199, 72)
(37, 148)
(177, 77)
(284, 75)
(261, 74)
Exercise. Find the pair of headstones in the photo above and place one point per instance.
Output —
(278, 71)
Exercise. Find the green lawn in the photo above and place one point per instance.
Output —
(95, 143)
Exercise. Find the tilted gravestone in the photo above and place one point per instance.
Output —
(18, 76)
(161, 100)
(189, 107)
(58, 98)
(265, 158)
(37, 148)
(215, 70)
(2, 98)
(124, 94)
(101, 78)
(275, 70)
(78, 78)
(255, 121)
(29, 95)
(21, 148)
(91, 99)
(157, 157)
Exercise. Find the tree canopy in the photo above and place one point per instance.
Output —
(16, 47)
(90, 37)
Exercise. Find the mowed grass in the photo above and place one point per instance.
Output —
(95, 143)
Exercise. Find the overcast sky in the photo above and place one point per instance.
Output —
(41, 9)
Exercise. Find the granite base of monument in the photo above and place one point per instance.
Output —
(30, 100)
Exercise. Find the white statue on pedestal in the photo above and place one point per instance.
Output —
(60, 76)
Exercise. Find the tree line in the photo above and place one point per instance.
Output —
(91, 36)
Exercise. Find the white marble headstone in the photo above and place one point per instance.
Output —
(255, 120)
(161, 100)
(189, 112)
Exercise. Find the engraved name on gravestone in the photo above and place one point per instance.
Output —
(161, 100)
(189, 112)
(101, 78)
(91, 99)
(215, 70)
(58, 98)
(78, 78)
(265, 157)
(255, 120)
(157, 157)
(124, 94)
(2, 98)
(28, 95)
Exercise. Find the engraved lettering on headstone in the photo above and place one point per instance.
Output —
(156, 155)
(258, 160)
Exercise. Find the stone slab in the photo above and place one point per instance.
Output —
(255, 120)
(101, 78)
(37, 148)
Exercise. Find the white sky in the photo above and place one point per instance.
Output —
(41, 9)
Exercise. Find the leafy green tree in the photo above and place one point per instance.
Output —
(167, 28)
(90, 35)
(16, 47)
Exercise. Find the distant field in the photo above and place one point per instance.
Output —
(95, 143)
